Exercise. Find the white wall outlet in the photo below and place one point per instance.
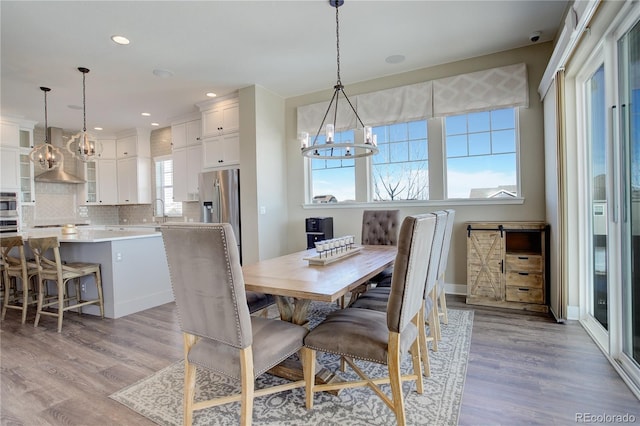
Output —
(263, 210)
(118, 257)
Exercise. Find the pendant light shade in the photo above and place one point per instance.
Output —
(84, 146)
(45, 155)
(329, 150)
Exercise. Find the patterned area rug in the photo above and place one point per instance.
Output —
(159, 396)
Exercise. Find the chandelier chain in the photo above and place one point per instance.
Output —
(338, 44)
(46, 125)
(84, 104)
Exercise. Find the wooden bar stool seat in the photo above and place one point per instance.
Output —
(52, 269)
(17, 276)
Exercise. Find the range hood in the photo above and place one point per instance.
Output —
(57, 175)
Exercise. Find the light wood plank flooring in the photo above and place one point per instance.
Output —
(523, 368)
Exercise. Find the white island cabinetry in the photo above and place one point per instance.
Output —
(135, 275)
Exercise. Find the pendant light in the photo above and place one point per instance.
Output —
(84, 146)
(45, 155)
(329, 149)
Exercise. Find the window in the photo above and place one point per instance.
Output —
(164, 188)
(400, 168)
(334, 178)
(481, 160)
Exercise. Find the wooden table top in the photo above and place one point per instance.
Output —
(291, 275)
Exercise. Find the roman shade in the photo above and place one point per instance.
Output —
(310, 116)
(396, 105)
(494, 88)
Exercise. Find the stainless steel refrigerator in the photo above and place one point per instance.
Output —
(220, 199)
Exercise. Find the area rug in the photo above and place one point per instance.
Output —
(159, 396)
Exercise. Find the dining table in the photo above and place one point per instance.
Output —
(299, 278)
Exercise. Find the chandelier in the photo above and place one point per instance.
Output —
(46, 155)
(344, 149)
(84, 146)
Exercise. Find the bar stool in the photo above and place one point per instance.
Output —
(54, 270)
(15, 268)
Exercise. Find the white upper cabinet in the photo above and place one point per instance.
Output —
(221, 118)
(221, 151)
(133, 144)
(108, 149)
(186, 134)
(9, 134)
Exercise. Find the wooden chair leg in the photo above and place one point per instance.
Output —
(309, 365)
(40, 302)
(98, 279)
(25, 299)
(247, 382)
(443, 307)
(415, 354)
(395, 377)
(422, 341)
(7, 295)
(61, 294)
(189, 381)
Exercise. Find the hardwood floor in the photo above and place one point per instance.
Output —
(523, 368)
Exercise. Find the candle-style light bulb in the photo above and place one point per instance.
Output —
(303, 137)
(368, 135)
(329, 133)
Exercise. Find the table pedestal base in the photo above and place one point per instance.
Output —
(296, 312)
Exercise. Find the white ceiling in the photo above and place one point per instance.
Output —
(288, 47)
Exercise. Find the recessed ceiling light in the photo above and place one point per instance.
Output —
(162, 73)
(97, 128)
(394, 59)
(146, 114)
(211, 95)
(154, 124)
(120, 39)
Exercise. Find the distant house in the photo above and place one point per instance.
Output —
(502, 191)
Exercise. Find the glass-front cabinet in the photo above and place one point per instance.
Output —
(27, 184)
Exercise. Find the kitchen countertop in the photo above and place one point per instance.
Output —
(89, 235)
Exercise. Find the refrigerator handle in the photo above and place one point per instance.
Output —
(219, 200)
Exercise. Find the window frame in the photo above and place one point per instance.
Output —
(159, 189)
(518, 176)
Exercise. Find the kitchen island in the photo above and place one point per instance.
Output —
(135, 274)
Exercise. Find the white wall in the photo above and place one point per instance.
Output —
(262, 174)
(348, 220)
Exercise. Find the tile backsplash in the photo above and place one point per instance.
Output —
(56, 203)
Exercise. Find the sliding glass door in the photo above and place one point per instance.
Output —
(629, 103)
(597, 193)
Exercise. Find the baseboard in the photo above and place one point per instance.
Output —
(455, 288)
(573, 312)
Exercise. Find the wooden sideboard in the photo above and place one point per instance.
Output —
(507, 265)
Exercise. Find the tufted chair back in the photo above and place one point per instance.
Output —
(207, 281)
(380, 227)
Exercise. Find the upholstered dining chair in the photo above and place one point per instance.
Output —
(379, 227)
(50, 268)
(17, 270)
(381, 337)
(440, 301)
(378, 298)
(219, 333)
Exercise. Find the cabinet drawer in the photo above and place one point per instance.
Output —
(524, 262)
(524, 279)
(525, 294)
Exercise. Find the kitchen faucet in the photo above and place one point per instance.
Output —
(164, 217)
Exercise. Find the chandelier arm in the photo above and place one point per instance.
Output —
(324, 118)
